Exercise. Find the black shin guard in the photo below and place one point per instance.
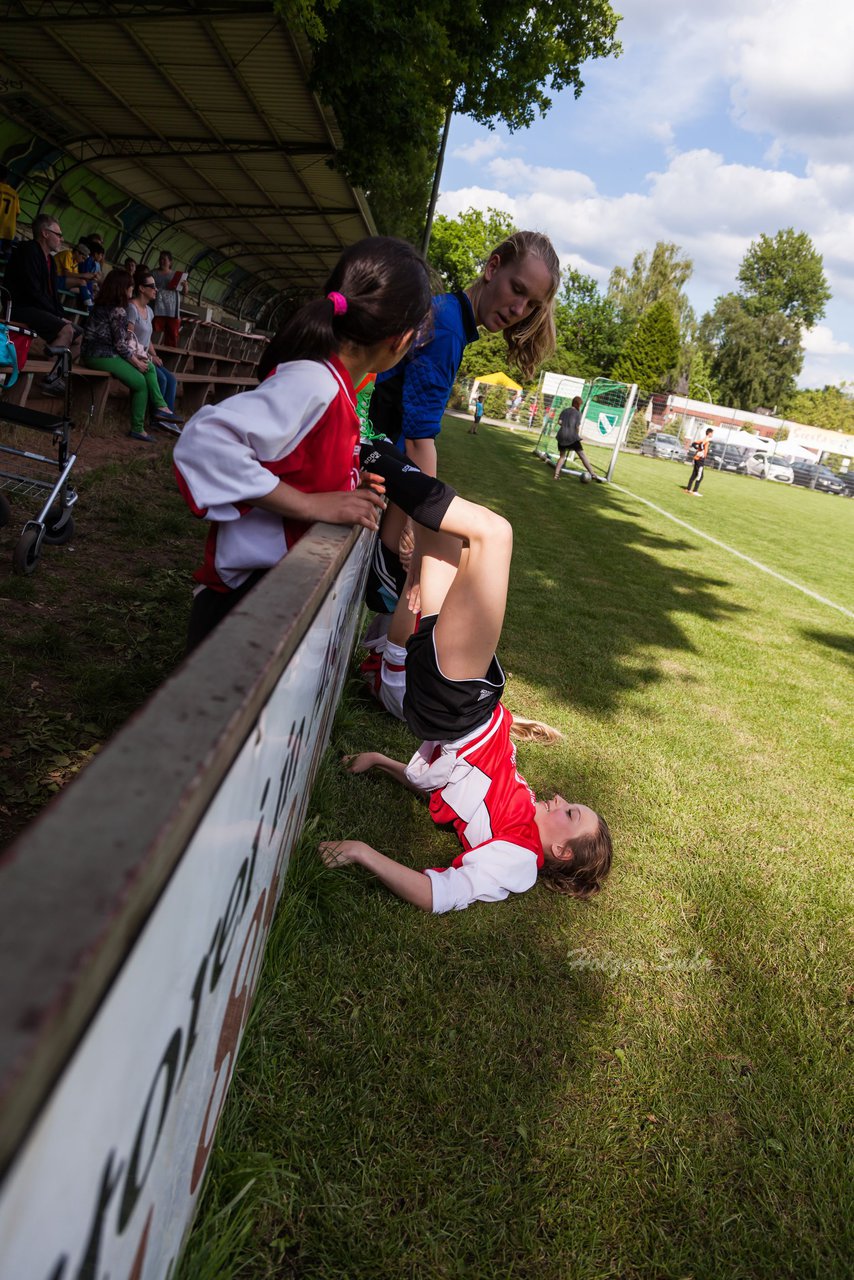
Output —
(386, 578)
(422, 497)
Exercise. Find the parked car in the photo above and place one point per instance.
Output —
(847, 479)
(659, 445)
(813, 475)
(726, 457)
(767, 467)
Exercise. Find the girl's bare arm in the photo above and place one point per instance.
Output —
(355, 506)
(413, 886)
(366, 760)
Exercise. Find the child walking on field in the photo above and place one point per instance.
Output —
(467, 761)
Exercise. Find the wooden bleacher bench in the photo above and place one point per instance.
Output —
(26, 390)
(194, 389)
(210, 362)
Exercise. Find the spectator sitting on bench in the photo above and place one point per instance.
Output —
(31, 281)
(140, 318)
(107, 346)
(70, 276)
(93, 264)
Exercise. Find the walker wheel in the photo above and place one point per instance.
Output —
(26, 554)
(5, 511)
(60, 530)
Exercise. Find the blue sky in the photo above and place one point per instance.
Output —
(717, 123)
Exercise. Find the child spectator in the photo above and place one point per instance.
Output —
(478, 414)
(71, 276)
(265, 464)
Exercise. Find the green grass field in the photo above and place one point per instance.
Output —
(653, 1085)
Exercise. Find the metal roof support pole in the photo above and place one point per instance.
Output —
(437, 176)
(259, 284)
(283, 302)
(51, 187)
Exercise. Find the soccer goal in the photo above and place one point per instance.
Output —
(606, 411)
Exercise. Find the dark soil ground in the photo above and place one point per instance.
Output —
(98, 625)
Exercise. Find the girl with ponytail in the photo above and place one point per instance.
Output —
(265, 464)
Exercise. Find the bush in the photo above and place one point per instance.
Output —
(638, 428)
(459, 397)
(495, 405)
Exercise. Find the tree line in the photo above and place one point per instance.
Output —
(746, 352)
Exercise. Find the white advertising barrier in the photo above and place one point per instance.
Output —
(106, 1181)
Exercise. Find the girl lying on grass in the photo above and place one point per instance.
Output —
(467, 761)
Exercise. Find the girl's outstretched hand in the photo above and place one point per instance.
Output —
(360, 763)
(340, 853)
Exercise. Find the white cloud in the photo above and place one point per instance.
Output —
(820, 341)
(453, 203)
(483, 147)
(711, 208)
(791, 63)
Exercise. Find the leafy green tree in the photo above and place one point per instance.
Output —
(651, 351)
(784, 273)
(701, 382)
(660, 277)
(488, 355)
(459, 247)
(831, 408)
(391, 74)
(755, 358)
(590, 329)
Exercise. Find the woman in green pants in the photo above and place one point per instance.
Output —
(107, 345)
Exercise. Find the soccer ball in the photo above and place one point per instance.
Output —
(585, 477)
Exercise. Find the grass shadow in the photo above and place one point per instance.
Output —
(842, 642)
(603, 596)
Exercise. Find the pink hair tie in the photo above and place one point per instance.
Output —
(339, 303)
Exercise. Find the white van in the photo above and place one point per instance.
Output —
(767, 467)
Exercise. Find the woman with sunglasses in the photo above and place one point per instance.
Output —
(141, 320)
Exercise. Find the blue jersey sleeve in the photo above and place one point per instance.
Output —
(429, 379)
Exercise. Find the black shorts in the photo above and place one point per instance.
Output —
(438, 709)
(386, 576)
(567, 446)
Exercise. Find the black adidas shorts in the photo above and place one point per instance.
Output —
(438, 709)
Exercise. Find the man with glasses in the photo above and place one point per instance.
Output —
(31, 281)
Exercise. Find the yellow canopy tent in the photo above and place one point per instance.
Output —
(499, 380)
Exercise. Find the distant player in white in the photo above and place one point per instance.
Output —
(467, 762)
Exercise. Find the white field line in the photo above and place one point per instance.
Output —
(757, 564)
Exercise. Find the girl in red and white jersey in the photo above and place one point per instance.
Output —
(467, 761)
(262, 466)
